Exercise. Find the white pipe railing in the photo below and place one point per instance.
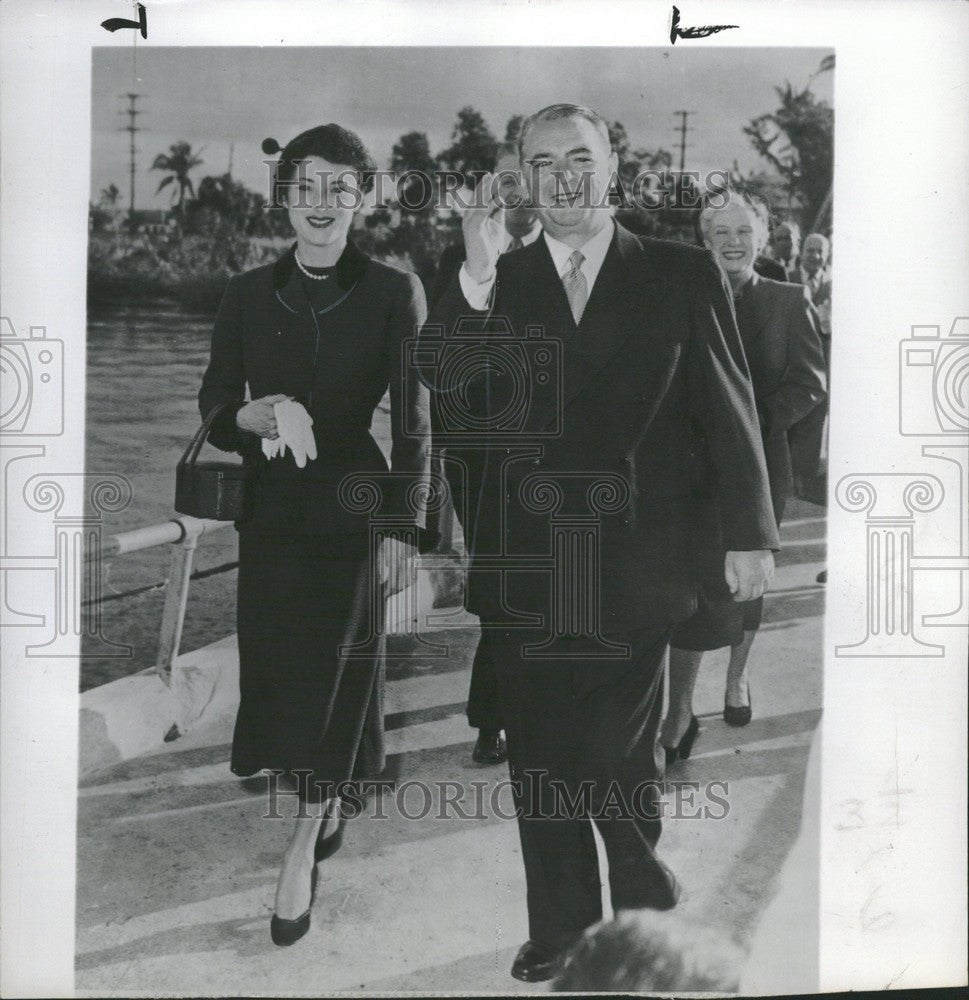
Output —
(182, 532)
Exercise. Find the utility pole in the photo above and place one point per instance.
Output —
(683, 130)
(232, 147)
(131, 128)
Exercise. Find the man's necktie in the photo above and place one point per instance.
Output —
(576, 287)
(516, 244)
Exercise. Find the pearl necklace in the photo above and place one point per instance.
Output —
(309, 274)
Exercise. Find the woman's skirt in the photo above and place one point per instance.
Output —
(719, 620)
(311, 668)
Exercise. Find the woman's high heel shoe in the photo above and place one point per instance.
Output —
(684, 748)
(286, 932)
(741, 715)
(328, 846)
(689, 738)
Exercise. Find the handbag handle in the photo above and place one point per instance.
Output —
(191, 453)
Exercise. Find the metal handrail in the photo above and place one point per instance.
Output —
(168, 532)
(182, 532)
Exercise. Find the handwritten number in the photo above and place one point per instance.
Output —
(114, 23)
(874, 921)
(851, 809)
(701, 31)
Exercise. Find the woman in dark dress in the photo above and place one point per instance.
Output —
(780, 331)
(324, 327)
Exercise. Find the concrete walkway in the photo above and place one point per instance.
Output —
(176, 868)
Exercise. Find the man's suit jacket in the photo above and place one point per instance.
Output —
(451, 260)
(767, 267)
(654, 369)
(780, 331)
(820, 294)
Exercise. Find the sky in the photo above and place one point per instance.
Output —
(225, 101)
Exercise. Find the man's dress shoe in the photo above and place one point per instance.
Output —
(490, 747)
(535, 963)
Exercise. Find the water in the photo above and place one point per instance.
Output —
(144, 368)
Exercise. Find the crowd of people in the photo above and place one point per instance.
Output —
(686, 406)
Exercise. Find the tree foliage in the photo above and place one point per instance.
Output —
(178, 162)
(412, 151)
(109, 195)
(798, 141)
(473, 146)
(513, 128)
(227, 207)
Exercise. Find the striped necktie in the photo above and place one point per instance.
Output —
(576, 287)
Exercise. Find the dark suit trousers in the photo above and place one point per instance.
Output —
(575, 723)
(483, 709)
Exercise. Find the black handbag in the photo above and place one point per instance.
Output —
(213, 490)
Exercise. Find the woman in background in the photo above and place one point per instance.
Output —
(317, 338)
(780, 331)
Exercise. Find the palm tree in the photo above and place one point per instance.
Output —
(109, 195)
(178, 162)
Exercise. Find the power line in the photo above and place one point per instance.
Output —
(682, 129)
(131, 128)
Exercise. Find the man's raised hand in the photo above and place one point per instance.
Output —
(482, 238)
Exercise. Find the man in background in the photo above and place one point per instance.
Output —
(785, 244)
(808, 437)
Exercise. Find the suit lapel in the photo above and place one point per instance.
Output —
(622, 304)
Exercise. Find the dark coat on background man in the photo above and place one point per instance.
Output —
(780, 331)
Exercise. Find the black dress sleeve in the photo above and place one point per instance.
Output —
(410, 422)
(224, 381)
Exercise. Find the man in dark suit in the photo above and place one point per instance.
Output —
(809, 436)
(786, 246)
(768, 268)
(608, 352)
(516, 226)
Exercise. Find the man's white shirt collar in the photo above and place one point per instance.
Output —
(594, 251)
(478, 294)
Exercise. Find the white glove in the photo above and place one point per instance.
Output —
(295, 427)
(272, 448)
